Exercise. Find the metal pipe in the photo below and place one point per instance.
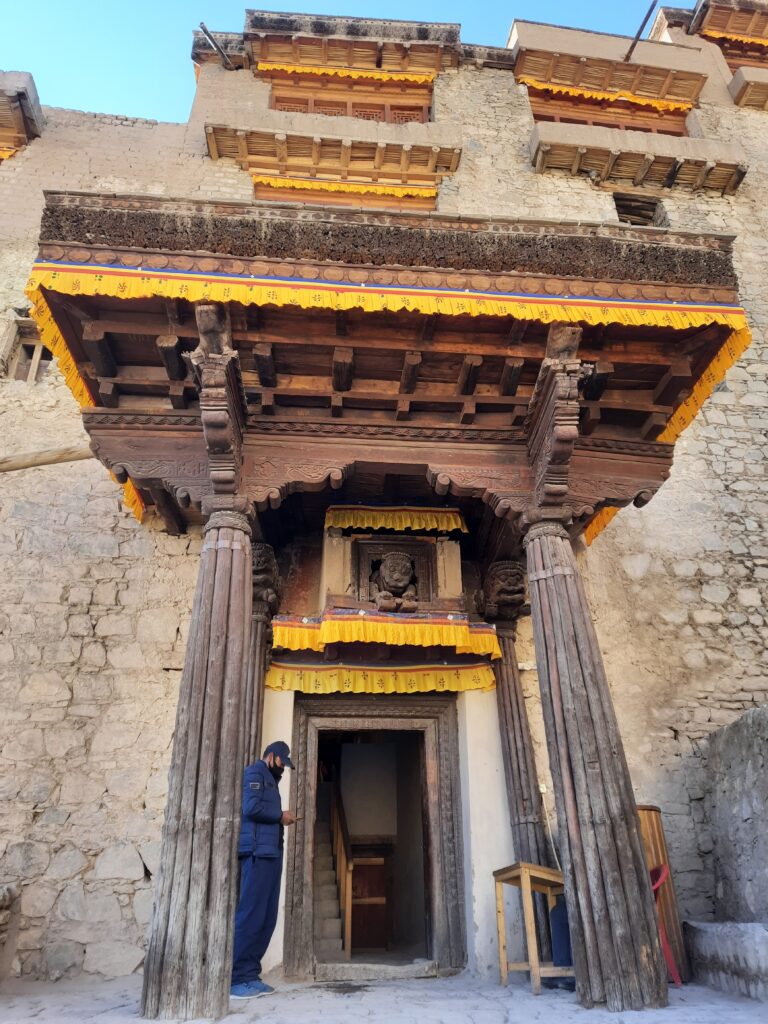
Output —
(224, 58)
(640, 31)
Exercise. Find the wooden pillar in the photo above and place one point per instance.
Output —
(523, 794)
(612, 918)
(188, 964)
(187, 972)
(265, 604)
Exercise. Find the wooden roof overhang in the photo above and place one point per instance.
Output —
(661, 87)
(314, 158)
(17, 125)
(379, 353)
(739, 29)
(390, 47)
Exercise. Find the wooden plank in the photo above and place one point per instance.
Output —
(169, 347)
(265, 365)
(343, 368)
(677, 378)
(97, 348)
(501, 930)
(510, 376)
(409, 376)
(468, 374)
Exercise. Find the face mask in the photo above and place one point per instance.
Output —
(275, 772)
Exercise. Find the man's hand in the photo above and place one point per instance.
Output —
(288, 818)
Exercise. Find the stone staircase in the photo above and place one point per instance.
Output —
(327, 913)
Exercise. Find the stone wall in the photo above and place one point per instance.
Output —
(737, 800)
(93, 607)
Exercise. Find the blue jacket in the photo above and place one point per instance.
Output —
(261, 834)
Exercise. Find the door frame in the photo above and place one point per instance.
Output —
(435, 717)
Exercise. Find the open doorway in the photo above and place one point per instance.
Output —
(397, 757)
(370, 795)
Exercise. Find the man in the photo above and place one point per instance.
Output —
(261, 861)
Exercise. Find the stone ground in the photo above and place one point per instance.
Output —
(460, 1000)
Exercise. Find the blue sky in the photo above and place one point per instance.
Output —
(133, 58)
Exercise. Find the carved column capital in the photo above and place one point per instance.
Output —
(229, 519)
(545, 528)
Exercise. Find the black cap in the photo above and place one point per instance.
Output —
(281, 750)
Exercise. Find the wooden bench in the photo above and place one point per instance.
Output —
(529, 878)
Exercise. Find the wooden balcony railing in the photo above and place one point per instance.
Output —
(345, 866)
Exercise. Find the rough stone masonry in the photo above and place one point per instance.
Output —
(94, 607)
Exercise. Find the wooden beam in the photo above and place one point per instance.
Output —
(510, 376)
(96, 346)
(563, 341)
(108, 394)
(167, 510)
(674, 170)
(517, 331)
(337, 405)
(341, 324)
(653, 426)
(596, 383)
(410, 374)
(343, 369)
(676, 379)
(403, 410)
(46, 457)
(267, 403)
(589, 417)
(468, 374)
(468, 410)
(177, 392)
(169, 347)
(643, 169)
(428, 327)
(265, 365)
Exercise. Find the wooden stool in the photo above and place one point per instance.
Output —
(530, 878)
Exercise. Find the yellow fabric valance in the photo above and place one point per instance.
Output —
(141, 283)
(6, 154)
(394, 517)
(307, 678)
(396, 629)
(128, 283)
(352, 187)
(734, 37)
(372, 74)
(603, 94)
(734, 346)
(54, 341)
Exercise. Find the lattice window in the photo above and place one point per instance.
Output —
(404, 115)
(292, 106)
(368, 113)
(330, 109)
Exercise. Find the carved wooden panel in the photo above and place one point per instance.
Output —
(367, 553)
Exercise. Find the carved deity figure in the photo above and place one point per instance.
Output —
(503, 593)
(213, 328)
(393, 584)
(266, 583)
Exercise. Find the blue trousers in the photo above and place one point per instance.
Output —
(256, 915)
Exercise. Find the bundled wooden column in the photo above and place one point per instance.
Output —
(523, 793)
(610, 906)
(188, 965)
(265, 603)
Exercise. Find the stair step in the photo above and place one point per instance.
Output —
(329, 928)
(327, 877)
(326, 908)
(326, 892)
(327, 947)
